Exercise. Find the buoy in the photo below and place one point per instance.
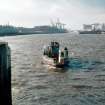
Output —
(5, 74)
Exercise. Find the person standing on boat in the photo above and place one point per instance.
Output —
(65, 52)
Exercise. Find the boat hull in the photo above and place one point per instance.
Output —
(89, 32)
(50, 61)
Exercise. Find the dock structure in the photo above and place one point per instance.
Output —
(5, 74)
(87, 27)
(58, 24)
(92, 27)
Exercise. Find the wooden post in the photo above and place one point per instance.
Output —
(5, 74)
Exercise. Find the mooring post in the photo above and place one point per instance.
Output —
(5, 74)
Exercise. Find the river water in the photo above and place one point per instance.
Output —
(83, 83)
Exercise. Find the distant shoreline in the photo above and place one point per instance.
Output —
(11, 30)
(17, 34)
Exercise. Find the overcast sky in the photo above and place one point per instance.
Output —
(30, 13)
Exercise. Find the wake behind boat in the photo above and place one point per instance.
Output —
(53, 56)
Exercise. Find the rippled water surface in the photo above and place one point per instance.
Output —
(83, 83)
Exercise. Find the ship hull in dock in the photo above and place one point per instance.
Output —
(89, 32)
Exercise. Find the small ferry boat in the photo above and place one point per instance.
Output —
(52, 55)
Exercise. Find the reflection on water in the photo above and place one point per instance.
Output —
(82, 83)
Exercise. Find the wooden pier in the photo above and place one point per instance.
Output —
(5, 74)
